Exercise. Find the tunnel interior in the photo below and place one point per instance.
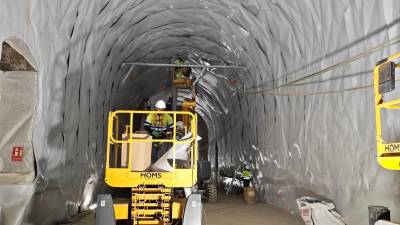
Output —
(299, 110)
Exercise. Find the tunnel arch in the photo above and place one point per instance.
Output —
(80, 45)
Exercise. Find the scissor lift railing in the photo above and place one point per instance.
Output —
(388, 154)
(123, 176)
(151, 190)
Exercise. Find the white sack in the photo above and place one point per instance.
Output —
(315, 212)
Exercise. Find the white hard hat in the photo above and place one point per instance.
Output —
(160, 104)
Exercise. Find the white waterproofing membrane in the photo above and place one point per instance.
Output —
(18, 100)
(181, 153)
(313, 136)
(18, 93)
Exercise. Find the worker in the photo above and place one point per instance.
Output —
(169, 104)
(179, 70)
(246, 175)
(158, 125)
(147, 104)
(186, 71)
(182, 72)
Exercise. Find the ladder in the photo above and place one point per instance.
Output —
(151, 205)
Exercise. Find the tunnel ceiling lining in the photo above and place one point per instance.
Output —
(187, 25)
(80, 45)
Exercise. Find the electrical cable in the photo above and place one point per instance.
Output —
(326, 69)
(323, 92)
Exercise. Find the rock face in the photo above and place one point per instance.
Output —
(11, 60)
(301, 113)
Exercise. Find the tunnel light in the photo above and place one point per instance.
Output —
(387, 77)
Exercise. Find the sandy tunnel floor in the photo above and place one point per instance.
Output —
(233, 211)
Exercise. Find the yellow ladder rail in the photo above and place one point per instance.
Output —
(151, 205)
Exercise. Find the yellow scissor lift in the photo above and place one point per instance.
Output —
(388, 153)
(384, 81)
(152, 197)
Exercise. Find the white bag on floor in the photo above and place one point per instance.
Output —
(316, 212)
(384, 222)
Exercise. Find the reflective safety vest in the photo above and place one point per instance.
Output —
(246, 175)
(179, 72)
(179, 75)
(159, 122)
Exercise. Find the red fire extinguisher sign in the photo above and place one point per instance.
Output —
(17, 154)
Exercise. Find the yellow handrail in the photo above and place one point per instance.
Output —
(124, 177)
(387, 153)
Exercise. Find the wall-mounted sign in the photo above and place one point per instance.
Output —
(17, 154)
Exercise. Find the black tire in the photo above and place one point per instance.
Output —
(211, 193)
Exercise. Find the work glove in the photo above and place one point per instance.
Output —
(156, 134)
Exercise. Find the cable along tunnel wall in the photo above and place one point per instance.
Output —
(298, 142)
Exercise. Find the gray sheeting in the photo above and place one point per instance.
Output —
(314, 137)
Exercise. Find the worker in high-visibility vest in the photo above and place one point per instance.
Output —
(246, 175)
(158, 124)
(182, 72)
(179, 70)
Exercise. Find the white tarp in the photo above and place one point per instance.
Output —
(316, 212)
(314, 136)
(17, 100)
(181, 153)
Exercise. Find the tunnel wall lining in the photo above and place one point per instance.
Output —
(18, 80)
(79, 46)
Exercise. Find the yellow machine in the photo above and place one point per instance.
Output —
(388, 154)
(128, 166)
(164, 192)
